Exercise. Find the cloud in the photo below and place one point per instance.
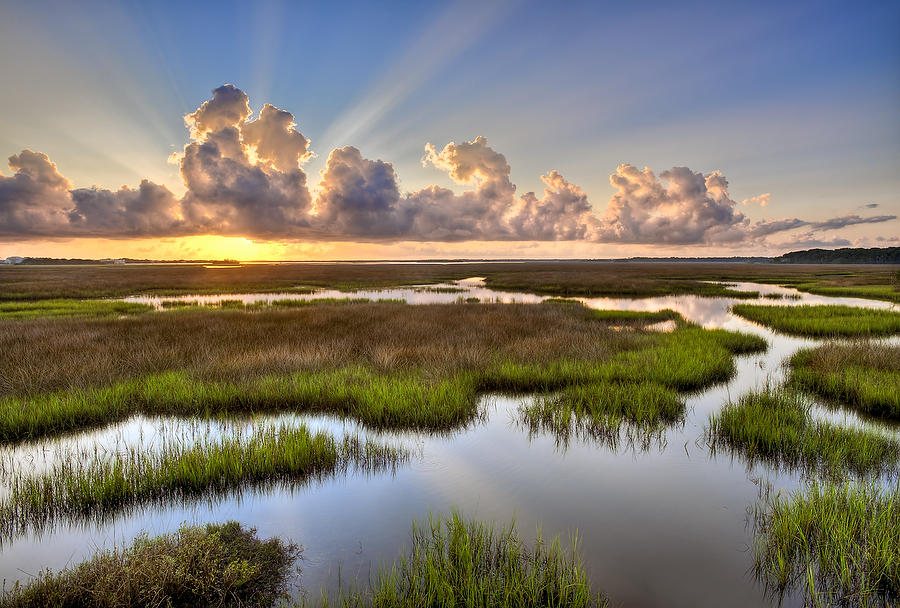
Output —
(35, 200)
(870, 205)
(562, 214)
(850, 220)
(228, 107)
(274, 139)
(808, 241)
(359, 197)
(243, 176)
(760, 199)
(684, 207)
(149, 210)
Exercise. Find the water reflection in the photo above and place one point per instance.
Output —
(665, 525)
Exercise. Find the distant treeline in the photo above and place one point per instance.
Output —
(848, 255)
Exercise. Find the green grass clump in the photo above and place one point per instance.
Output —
(686, 359)
(864, 376)
(775, 425)
(70, 308)
(91, 490)
(455, 562)
(377, 400)
(632, 316)
(872, 292)
(204, 566)
(600, 410)
(838, 544)
(822, 321)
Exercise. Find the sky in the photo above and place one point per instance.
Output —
(412, 130)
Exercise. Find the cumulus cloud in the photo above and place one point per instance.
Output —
(359, 197)
(682, 207)
(760, 199)
(562, 214)
(243, 175)
(35, 200)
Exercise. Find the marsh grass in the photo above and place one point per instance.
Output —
(864, 376)
(838, 544)
(604, 411)
(452, 561)
(41, 355)
(775, 426)
(205, 566)
(823, 320)
(383, 401)
(70, 308)
(73, 489)
(614, 279)
(386, 365)
(636, 316)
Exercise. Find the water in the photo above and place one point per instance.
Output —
(661, 526)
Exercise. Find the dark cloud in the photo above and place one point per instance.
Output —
(35, 201)
(359, 197)
(244, 176)
(151, 209)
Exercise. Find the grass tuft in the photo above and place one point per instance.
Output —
(455, 562)
(204, 566)
(839, 545)
(775, 425)
(601, 410)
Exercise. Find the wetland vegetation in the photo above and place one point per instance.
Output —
(587, 279)
(823, 321)
(775, 425)
(206, 566)
(452, 561)
(602, 409)
(386, 365)
(838, 543)
(862, 375)
(93, 489)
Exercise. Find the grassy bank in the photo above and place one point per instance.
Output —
(837, 544)
(435, 398)
(864, 376)
(69, 308)
(602, 410)
(78, 490)
(613, 279)
(204, 566)
(384, 401)
(455, 562)
(823, 321)
(775, 426)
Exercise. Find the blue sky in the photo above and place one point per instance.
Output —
(799, 100)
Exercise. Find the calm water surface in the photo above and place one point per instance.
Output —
(661, 526)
